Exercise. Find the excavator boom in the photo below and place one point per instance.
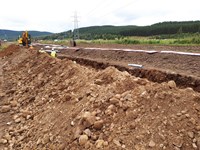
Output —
(25, 39)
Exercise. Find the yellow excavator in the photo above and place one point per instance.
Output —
(25, 39)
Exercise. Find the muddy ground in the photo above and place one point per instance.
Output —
(48, 103)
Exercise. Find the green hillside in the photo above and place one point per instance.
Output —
(13, 35)
(112, 32)
(164, 28)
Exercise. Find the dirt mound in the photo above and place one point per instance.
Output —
(9, 50)
(154, 75)
(59, 104)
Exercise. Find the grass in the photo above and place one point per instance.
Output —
(174, 40)
(4, 45)
(59, 42)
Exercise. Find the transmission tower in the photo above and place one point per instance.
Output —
(76, 30)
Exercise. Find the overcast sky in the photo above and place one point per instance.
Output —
(58, 15)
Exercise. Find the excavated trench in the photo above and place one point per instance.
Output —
(154, 75)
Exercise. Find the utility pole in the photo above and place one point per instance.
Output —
(76, 30)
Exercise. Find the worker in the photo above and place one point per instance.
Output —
(53, 53)
(42, 51)
(73, 43)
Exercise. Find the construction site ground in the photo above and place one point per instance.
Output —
(157, 67)
(92, 99)
(183, 64)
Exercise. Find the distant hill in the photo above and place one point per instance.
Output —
(164, 28)
(111, 32)
(13, 35)
(93, 32)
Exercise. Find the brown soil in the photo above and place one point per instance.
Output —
(144, 47)
(48, 103)
(9, 50)
(184, 64)
(157, 67)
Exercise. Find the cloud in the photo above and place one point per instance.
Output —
(57, 15)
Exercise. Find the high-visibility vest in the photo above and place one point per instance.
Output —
(42, 51)
(53, 53)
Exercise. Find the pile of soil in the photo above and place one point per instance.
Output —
(9, 50)
(48, 103)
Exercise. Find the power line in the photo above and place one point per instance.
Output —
(76, 28)
(100, 4)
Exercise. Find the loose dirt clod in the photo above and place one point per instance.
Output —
(58, 104)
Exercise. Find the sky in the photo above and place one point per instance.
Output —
(59, 15)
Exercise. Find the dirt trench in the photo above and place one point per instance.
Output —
(154, 75)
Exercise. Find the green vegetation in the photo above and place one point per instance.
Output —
(119, 32)
(13, 35)
(165, 33)
(164, 28)
(60, 36)
(4, 45)
(168, 39)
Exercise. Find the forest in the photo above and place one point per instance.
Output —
(109, 32)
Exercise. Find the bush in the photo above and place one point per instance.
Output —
(127, 41)
(153, 41)
(182, 42)
(195, 40)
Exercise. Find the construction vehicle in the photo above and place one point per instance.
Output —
(25, 39)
